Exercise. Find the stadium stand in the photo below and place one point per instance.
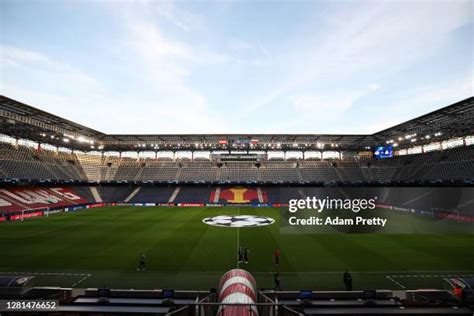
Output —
(18, 199)
(32, 153)
(160, 171)
(239, 172)
(115, 193)
(26, 163)
(153, 195)
(193, 195)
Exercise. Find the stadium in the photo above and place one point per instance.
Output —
(79, 206)
(236, 158)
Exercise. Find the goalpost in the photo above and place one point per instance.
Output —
(46, 213)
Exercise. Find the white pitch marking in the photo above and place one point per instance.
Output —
(396, 282)
(84, 275)
(81, 280)
(45, 273)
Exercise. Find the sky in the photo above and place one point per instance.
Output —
(180, 67)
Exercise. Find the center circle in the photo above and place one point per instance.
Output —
(238, 221)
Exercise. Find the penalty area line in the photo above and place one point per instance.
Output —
(81, 280)
(446, 275)
(396, 282)
(44, 273)
(83, 276)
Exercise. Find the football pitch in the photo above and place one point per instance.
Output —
(101, 247)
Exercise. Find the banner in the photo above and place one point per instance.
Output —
(26, 215)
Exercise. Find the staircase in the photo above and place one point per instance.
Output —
(134, 192)
(260, 195)
(174, 195)
(95, 194)
(217, 195)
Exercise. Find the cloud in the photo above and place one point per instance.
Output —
(431, 97)
(330, 104)
(381, 38)
(34, 78)
(166, 65)
(420, 101)
(168, 10)
(374, 87)
(166, 60)
(13, 56)
(52, 74)
(158, 68)
(167, 69)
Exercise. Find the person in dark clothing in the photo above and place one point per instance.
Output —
(240, 254)
(347, 279)
(246, 255)
(277, 279)
(142, 263)
(277, 257)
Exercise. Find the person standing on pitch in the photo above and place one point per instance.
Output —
(347, 279)
(240, 254)
(142, 263)
(277, 279)
(246, 255)
(277, 257)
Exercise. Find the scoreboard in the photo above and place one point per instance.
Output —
(383, 152)
(241, 157)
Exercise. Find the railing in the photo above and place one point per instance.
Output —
(207, 308)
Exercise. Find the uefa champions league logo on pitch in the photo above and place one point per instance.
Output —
(238, 221)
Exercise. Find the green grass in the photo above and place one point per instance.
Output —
(101, 246)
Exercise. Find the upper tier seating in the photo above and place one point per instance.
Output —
(28, 163)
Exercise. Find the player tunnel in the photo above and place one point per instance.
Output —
(237, 286)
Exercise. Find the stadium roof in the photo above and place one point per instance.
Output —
(23, 121)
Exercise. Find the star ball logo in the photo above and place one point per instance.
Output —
(238, 221)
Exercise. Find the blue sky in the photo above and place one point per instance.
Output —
(237, 66)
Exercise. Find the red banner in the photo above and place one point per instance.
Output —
(95, 205)
(27, 215)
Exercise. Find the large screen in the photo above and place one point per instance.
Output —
(383, 152)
